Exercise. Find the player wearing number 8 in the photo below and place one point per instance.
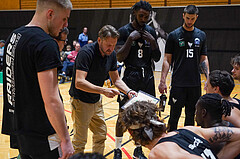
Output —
(185, 50)
(137, 47)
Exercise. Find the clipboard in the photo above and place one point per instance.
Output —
(142, 96)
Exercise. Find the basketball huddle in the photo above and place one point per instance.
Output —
(33, 114)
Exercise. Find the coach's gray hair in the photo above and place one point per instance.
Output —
(108, 31)
(67, 4)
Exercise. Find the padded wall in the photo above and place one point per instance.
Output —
(221, 24)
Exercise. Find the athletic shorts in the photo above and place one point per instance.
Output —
(180, 96)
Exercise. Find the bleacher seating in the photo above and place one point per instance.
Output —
(31, 4)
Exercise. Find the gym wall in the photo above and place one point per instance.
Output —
(221, 24)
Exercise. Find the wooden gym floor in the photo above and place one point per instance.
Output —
(110, 106)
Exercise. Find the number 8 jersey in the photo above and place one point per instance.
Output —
(140, 53)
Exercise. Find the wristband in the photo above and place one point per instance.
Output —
(129, 91)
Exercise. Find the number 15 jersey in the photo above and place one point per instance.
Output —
(186, 48)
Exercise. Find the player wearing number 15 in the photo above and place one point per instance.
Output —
(185, 50)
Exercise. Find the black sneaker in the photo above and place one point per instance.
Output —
(117, 154)
(138, 153)
(62, 75)
(62, 80)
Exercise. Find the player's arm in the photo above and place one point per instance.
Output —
(120, 84)
(223, 134)
(54, 108)
(157, 27)
(234, 118)
(204, 65)
(165, 68)
(124, 50)
(162, 151)
(84, 85)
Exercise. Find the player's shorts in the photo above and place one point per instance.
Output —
(180, 96)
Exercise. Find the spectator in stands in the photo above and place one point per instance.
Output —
(68, 49)
(90, 41)
(145, 127)
(83, 37)
(2, 43)
(235, 62)
(74, 44)
(69, 63)
(62, 41)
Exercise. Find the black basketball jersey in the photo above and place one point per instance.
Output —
(28, 50)
(186, 48)
(236, 105)
(190, 142)
(140, 53)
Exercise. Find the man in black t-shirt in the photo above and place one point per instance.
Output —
(185, 50)
(137, 47)
(93, 64)
(33, 112)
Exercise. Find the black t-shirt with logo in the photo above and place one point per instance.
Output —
(90, 60)
(28, 50)
(186, 48)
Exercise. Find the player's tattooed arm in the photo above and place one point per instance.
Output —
(204, 68)
(204, 65)
(221, 134)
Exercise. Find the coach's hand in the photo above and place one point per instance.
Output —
(67, 149)
(135, 35)
(131, 94)
(110, 92)
(162, 87)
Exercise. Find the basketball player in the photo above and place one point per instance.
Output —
(33, 111)
(137, 47)
(189, 142)
(185, 50)
(221, 82)
(235, 62)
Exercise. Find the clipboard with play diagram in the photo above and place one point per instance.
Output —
(142, 96)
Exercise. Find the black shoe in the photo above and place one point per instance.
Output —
(62, 80)
(117, 154)
(62, 75)
(138, 153)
